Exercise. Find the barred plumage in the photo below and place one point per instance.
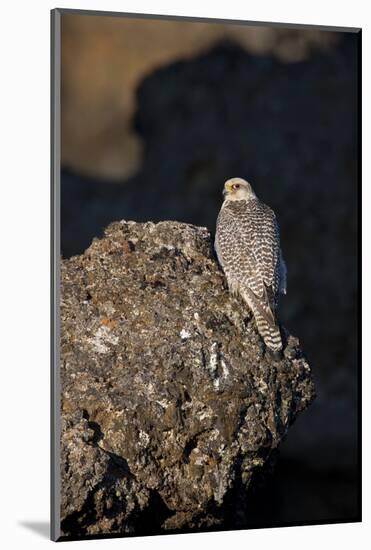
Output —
(247, 244)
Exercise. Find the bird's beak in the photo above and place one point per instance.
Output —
(226, 190)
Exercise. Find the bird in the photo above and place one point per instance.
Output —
(247, 245)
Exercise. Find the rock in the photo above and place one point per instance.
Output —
(104, 60)
(170, 404)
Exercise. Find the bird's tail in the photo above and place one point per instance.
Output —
(264, 318)
(270, 332)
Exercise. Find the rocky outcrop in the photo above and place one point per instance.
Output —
(170, 403)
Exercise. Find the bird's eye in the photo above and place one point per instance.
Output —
(236, 186)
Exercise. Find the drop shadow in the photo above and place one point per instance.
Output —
(41, 528)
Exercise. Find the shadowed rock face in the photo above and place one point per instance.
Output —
(104, 59)
(169, 402)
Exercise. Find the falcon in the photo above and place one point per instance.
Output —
(247, 244)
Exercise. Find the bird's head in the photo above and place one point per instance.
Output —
(237, 189)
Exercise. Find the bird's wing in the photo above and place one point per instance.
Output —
(235, 247)
(229, 241)
(248, 239)
(282, 275)
(266, 247)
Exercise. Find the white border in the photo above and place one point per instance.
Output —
(25, 116)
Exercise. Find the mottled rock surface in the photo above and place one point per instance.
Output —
(170, 403)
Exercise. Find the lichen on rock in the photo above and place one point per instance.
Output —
(169, 400)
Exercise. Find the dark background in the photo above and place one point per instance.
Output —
(289, 126)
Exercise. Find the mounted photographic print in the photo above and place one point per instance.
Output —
(205, 191)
